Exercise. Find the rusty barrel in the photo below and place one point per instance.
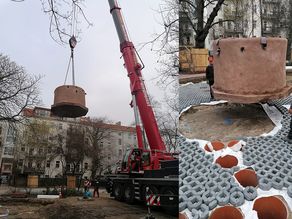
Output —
(250, 70)
(69, 101)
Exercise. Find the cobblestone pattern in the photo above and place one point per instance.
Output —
(193, 94)
(271, 158)
(204, 185)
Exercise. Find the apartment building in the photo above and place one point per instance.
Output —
(237, 18)
(45, 146)
(249, 18)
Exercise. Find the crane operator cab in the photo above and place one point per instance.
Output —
(135, 161)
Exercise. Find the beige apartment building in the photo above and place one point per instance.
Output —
(44, 145)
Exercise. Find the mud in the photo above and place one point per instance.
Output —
(74, 208)
(224, 122)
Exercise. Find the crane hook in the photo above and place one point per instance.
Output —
(72, 42)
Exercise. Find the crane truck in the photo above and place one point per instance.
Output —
(147, 169)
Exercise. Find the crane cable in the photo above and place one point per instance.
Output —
(72, 43)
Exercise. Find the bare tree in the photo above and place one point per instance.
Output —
(273, 20)
(75, 147)
(64, 17)
(289, 29)
(18, 90)
(32, 142)
(195, 11)
(97, 132)
(167, 117)
(236, 14)
(165, 43)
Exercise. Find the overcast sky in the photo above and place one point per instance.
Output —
(98, 68)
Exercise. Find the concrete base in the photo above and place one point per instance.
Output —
(252, 98)
(69, 110)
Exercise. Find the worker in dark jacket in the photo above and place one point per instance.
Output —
(210, 75)
(289, 137)
(96, 187)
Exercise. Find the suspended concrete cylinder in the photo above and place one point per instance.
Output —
(69, 101)
(250, 70)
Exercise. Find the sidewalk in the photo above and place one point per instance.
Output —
(5, 189)
(195, 78)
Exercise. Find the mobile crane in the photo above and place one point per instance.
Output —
(152, 169)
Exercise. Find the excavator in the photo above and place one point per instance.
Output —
(150, 166)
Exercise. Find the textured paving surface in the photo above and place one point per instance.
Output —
(205, 185)
(193, 94)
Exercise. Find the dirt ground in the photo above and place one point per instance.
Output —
(73, 208)
(224, 122)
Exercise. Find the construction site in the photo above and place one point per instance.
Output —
(71, 207)
(140, 182)
(235, 160)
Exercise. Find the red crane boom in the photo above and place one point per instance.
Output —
(138, 90)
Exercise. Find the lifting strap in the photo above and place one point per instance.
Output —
(72, 44)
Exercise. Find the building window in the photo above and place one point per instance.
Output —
(57, 164)
(86, 166)
(8, 150)
(7, 167)
(254, 24)
(31, 151)
(22, 148)
(120, 133)
(68, 167)
(220, 22)
(38, 165)
(20, 162)
(40, 151)
(29, 164)
(49, 149)
(77, 168)
(120, 141)
(48, 164)
(255, 8)
(10, 135)
(108, 156)
(120, 152)
(229, 25)
(60, 126)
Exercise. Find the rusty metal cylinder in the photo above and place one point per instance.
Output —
(69, 101)
(250, 70)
